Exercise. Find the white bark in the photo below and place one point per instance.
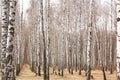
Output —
(118, 41)
(90, 25)
(10, 42)
(5, 19)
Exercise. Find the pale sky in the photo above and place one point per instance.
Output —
(27, 2)
(55, 1)
(105, 1)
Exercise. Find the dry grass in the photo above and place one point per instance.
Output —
(26, 74)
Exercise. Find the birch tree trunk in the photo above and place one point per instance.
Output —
(10, 42)
(38, 50)
(48, 38)
(89, 53)
(44, 43)
(118, 41)
(18, 39)
(5, 21)
(89, 42)
(111, 71)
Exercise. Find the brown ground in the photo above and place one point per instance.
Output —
(26, 74)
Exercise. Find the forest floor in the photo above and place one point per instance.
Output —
(26, 74)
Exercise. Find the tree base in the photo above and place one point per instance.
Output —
(17, 69)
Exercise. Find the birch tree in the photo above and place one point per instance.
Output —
(90, 25)
(10, 42)
(44, 43)
(18, 38)
(8, 23)
(5, 21)
(118, 41)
